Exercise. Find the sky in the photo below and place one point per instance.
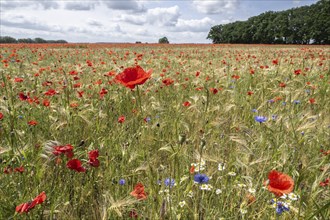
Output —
(183, 21)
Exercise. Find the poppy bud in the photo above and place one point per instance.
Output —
(182, 138)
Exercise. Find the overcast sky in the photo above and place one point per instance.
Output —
(183, 21)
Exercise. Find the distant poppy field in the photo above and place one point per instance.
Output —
(142, 131)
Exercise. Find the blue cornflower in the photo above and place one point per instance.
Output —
(281, 207)
(271, 101)
(201, 178)
(169, 182)
(147, 119)
(296, 102)
(274, 117)
(254, 110)
(122, 182)
(283, 103)
(260, 119)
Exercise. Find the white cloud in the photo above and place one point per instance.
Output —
(155, 16)
(164, 16)
(216, 6)
(194, 25)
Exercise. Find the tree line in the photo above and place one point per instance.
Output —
(302, 25)
(38, 40)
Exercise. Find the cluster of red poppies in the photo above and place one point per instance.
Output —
(75, 164)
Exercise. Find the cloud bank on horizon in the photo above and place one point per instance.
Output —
(183, 21)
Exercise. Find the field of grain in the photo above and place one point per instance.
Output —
(200, 132)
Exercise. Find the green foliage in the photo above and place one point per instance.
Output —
(38, 40)
(7, 40)
(163, 40)
(303, 25)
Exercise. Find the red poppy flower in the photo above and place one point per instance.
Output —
(7, 170)
(121, 119)
(18, 79)
(168, 81)
(1, 116)
(297, 72)
(93, 155)
(139, 192)
(312, 100)
(103, 92)
(133, 76)
(235, 76)
(32, 123)
(19, 169)
(75, 164)
(250, 93)
(282, 84)
(26, 207)
(51, 92)
(66, 149)
(192, 169)
(186, 104)
(23, 97)
(279, 183)
(214, 90)
(275, 62)
(46, 102)
(325, 152)
(325, 182)
(133, 214)
(73, 73)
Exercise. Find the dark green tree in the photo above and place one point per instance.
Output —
(303, 25)
(163, 40)
(7, 40)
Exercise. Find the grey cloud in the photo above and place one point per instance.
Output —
(134, 19)
(47, 4)
(12, 4)
(21, 22)
(131, 5)
(80, 6)
(94, 23)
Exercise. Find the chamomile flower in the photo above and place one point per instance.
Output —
(232, 173)
(243, 211)
(241, 185)
(252, 190)
(190, 194)
(182, 203)
(284, 196)
(221, 166)
(207, 187)
(218, 191)
(293, 196)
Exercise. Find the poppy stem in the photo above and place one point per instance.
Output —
(139, 98)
